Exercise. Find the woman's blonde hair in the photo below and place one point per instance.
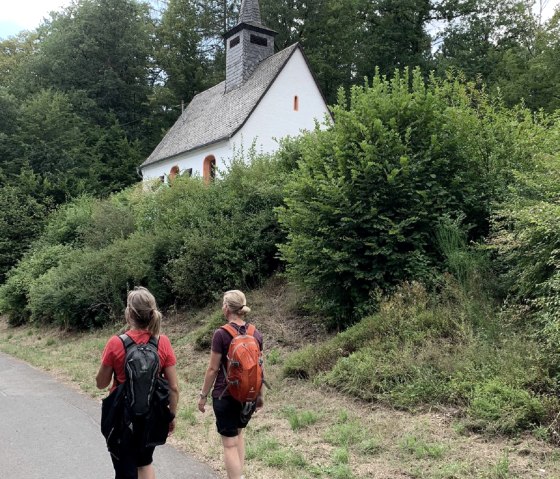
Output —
(142, 310)
(236, 302)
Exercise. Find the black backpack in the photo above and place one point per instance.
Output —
(142, 400)
(142, 370)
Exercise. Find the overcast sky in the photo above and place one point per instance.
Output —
(17, 15)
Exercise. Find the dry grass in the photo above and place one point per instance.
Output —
(347, 439)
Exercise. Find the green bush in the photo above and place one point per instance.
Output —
(89, 287)
(499, 408)
(203, 336)
(233, 243)
(66, 224)
(363, 205)
(526, 241)
(14, 293)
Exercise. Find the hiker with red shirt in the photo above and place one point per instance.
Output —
(231, 418)
(144, 321)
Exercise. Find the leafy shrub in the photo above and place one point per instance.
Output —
(526, 241)
(361, 209)
(66, 224)
(14, 293)
(233, 243)
(90, 286)
(410, 315)
(21, 220)
(499, 408)
(203, 336)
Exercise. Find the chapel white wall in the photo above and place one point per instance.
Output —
(275, 118)
(222, 151)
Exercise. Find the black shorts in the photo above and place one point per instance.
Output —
(131, 455)
(230, 416)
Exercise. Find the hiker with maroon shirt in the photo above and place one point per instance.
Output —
(231, 418)
(144, 321)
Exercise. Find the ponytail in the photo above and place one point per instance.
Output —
(236, 302)
(142, 310)
(154, 324)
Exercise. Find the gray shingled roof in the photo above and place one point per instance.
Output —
(250, 11)
(214, 115)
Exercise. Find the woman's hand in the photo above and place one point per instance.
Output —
(202, 404)
(259, 402)
(172, 425)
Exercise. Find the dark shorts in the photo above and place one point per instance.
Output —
(230, 416)
(131, 456)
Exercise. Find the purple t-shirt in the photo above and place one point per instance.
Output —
(220, 344)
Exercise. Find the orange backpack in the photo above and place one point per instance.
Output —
(244, 372)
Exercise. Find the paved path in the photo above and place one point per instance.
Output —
(49, 431)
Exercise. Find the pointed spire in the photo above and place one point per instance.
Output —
(250, 12)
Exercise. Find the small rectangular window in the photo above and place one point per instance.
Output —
(234, 41)
(259, 40)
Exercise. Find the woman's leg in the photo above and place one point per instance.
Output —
(232, 456)
(146, 472)
(241, 449)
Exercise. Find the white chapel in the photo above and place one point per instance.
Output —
(266, 96)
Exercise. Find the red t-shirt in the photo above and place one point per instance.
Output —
(114, 353)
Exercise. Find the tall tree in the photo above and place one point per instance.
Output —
(482, 32)
(178, 55)
(101, 47)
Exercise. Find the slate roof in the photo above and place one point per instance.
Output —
(214, 115)
(250, 11)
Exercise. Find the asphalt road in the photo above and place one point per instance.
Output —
(49, 431)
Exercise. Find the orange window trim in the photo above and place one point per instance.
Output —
(208, 168)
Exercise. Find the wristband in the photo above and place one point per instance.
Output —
(202, 396)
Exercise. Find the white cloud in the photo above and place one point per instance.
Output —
(29, 13)
(16, 15)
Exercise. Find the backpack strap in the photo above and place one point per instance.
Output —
(128, 341)
(233, 331)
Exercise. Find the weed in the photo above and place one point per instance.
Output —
(188, 415)
(341, 456)
(369, 446)
(497, 407)
(340, 471)
(541, 433)
(345, 434)
(284, 458)
(300, 420)
(273, 357)
(203, 337)
(501, 469)
(421, 449)
(50, 342)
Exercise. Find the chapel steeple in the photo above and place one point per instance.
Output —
(247, 44)
(250, 12)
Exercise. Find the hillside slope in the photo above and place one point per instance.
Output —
(305, 430)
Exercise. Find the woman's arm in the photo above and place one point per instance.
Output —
(170, 374)
(104, 375)
(209, 378)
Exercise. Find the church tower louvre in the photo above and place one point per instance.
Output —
(247, 44)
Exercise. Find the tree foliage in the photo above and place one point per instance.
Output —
(363, 206)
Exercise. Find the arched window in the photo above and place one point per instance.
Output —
(173, 172)
(296, 103)
(209, 168)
